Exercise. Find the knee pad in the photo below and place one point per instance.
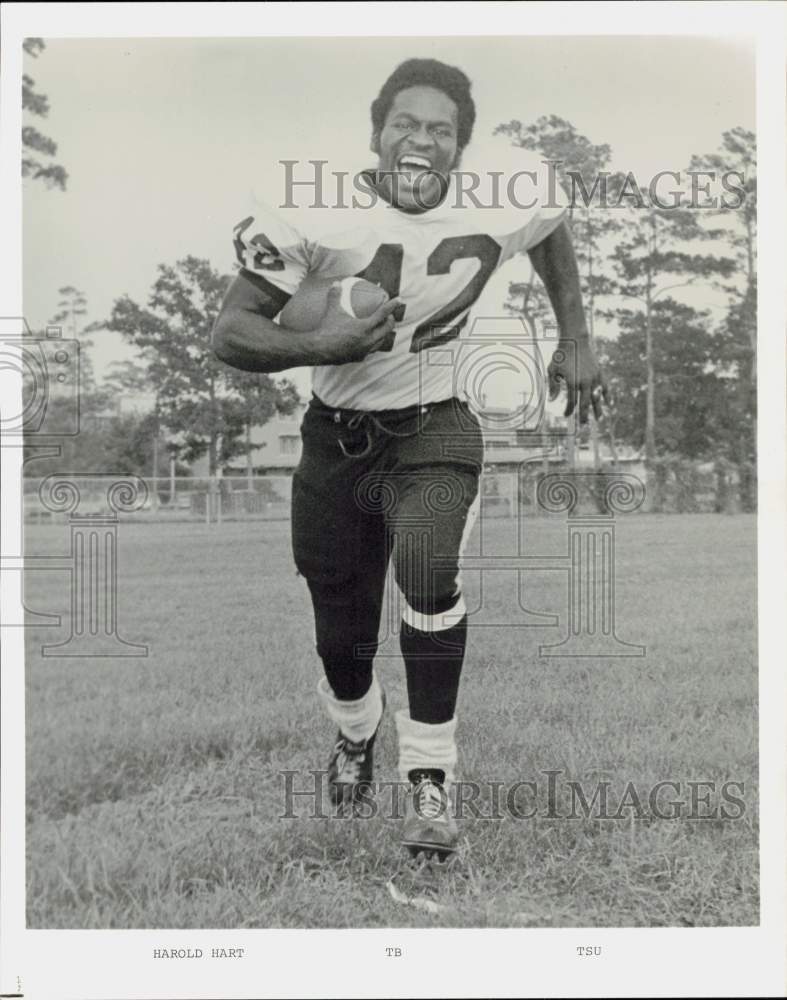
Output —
(426, 588)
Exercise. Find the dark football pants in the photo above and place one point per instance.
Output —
(373, 485)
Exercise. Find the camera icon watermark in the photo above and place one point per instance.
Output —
(498, 355)
(39, 379)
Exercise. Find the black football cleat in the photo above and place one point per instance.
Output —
(351, 768)
(429, 828)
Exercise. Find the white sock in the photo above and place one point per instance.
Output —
(356, 719)
(422, 745)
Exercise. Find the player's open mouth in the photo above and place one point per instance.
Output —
(414, 165)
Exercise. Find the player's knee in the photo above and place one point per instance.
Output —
(432, 595)
(427, 588)
(435, 615)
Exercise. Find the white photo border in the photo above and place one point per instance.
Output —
(471, 963)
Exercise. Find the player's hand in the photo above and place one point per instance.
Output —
(574, 365)
(346, 339)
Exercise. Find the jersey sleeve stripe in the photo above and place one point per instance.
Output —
(274, 299)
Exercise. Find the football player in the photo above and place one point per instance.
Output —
(392, 453)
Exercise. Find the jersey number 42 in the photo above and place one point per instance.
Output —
(385, 269)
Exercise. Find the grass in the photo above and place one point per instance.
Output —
(154, 791)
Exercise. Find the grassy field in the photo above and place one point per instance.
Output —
(154, 789)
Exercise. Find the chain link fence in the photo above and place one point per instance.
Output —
(181, 498)
(678, 486)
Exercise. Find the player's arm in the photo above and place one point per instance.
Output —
(573, 361)
(245, 336)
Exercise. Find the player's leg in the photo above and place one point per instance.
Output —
(437, 501)
(341, 550)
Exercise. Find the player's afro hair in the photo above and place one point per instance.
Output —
(428, 73)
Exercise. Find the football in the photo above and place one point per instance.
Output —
(305, 310)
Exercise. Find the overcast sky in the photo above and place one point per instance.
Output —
(164, 139)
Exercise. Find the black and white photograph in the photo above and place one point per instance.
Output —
(393, 500)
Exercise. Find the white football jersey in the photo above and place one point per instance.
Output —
(437, 262)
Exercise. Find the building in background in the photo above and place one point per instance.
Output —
(276, 449)
(277, 445)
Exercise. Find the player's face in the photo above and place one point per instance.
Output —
(417, 145)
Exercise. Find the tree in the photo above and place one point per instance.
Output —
(199, 397)
(572, 154)
(689, 398)
(107, 444)
(737, 216)
(738, 420)
(132, 378)
(736, 159)
(84, 450)
(70, 310)
(259, 398)
(657, 247)
(72, 304)
(579, 163)
(34, 143)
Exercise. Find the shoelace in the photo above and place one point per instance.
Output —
(363, 420)
(349, 757)
(429, 799)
